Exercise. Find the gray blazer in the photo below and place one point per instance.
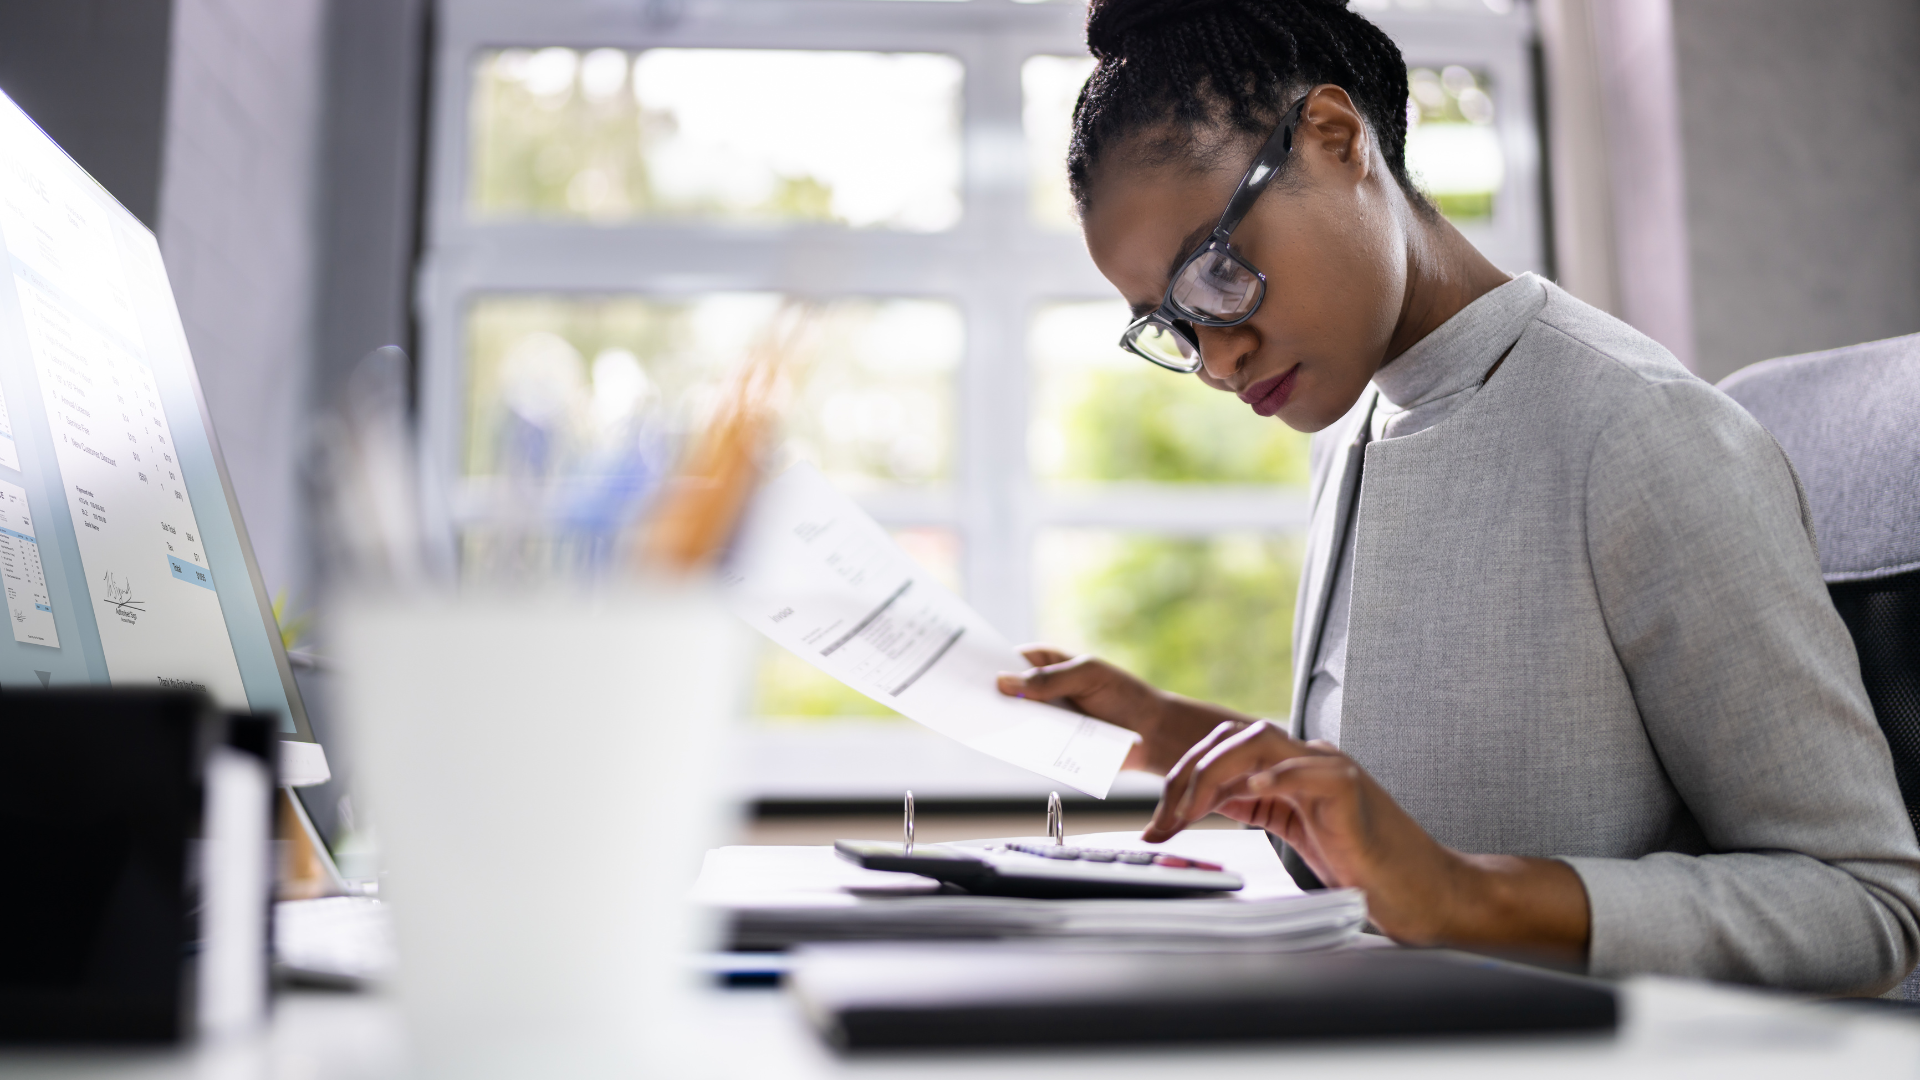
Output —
(1588, 623)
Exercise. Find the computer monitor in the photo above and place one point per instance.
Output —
(122, 553)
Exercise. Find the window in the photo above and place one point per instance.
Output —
(619, 206)
(737, 135)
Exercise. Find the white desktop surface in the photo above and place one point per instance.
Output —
(1671, 1028)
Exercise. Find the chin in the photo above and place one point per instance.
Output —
(1305, 425)
(1308, 411)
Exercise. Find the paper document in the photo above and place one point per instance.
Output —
(813, 572)
(779, 897)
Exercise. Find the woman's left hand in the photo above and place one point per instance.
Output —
(1352, 833)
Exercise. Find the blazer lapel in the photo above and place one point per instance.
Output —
(1332, 510)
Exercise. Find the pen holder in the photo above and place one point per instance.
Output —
(543, 773)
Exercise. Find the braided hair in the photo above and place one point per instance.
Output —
(1179, 67)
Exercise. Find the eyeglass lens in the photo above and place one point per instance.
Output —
(1160, 344)
(1216, 286)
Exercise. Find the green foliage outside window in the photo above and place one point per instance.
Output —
(543, 147)
(1209, 617)
(1159, 427)
(788, 688)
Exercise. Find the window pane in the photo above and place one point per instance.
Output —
(760, 136)
(565, 388)
(1208, 617)
(1453, 149)
(1102, 414)
(1049, 86)
(790, 689)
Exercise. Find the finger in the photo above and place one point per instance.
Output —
(1166, 820)
(1214, 772)
(1306, 777)
(1050, 682)
(1252, 749)
(1324, 794)
(1176, 800)
(1040, 655)
(1266, 801)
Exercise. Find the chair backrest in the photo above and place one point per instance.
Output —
(1849, 421)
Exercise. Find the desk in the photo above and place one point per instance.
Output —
(1671, 1029)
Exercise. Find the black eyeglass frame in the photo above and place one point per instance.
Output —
(1170, 315)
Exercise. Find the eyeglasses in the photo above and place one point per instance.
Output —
(1214, 286)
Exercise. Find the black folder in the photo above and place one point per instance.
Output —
(865, 997)
(103, 795)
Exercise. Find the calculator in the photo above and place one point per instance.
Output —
(1046, 871)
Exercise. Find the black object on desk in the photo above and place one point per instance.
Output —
(1046, 871)
(893, 997)
(123, 843)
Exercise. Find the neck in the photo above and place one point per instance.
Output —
(1445, 273)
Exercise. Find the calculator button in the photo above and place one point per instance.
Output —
(1182, 863)
(1137, 858)
(1097, 856)
(1062, 853)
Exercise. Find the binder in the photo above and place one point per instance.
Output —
(138, 830)
(872, 997)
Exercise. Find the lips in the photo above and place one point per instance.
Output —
(1268, 396)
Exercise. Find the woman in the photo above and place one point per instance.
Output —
(1567, 680)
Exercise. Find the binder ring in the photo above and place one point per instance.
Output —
(909, 845)
(1056, 820)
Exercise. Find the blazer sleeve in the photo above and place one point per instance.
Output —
(1750, 690)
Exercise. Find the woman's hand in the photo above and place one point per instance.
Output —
(1168, 723)
(1351, 832)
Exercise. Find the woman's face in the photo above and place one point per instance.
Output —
(1327, 237)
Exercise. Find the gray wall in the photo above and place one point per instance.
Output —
(1802, 154)
(93, 75)
(369, 172)
(239, 229)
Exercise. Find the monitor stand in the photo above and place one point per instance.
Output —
(307, 869)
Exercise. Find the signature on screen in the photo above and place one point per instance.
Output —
(120, 595)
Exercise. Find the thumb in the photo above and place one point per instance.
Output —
(1051, 682)
(1040, 655)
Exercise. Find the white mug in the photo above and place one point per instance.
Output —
(545, 773)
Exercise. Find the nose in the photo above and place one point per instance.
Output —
(1224, 350)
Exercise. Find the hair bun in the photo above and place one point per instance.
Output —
(1112, 23)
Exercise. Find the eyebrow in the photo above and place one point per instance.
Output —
(1180, 254)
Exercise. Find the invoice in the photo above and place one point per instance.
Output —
(817, 575)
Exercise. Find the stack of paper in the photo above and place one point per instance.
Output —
(777, 897)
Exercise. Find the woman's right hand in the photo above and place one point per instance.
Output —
(1169, 724)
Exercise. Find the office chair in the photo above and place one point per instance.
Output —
(1849, 420)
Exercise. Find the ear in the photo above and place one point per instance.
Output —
(1333, 133)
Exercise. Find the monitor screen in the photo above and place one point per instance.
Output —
(122, 554)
